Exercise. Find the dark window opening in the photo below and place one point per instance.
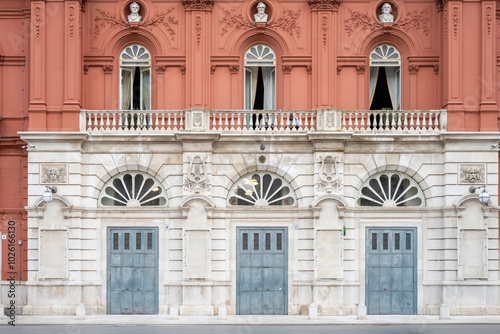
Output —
(385, 241)
(256, 241)
(245, 241)
(268, 241)
(127, 241)
(150, 240)
(136, 90)
(115, 240)
(382, 97)
(138, 241)
(278, 241)
(258, 103)
(374, 241)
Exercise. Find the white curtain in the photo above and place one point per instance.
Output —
(373, 82)
(146, 83)
(248, 89)
(255, 77)
(127, 84)
(393, 82)
(269, 87)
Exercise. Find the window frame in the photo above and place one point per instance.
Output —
(128, 65)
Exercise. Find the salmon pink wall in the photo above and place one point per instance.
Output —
(14, 92)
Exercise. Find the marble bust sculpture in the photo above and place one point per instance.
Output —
(260, 16)
(386, 15)
(134, 15)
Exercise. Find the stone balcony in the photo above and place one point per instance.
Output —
(263, 121)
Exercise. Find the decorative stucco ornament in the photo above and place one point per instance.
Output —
(196, 178)
(472, 174)
(386, 15)
(134, 15)
(329, 174)
(52, 174)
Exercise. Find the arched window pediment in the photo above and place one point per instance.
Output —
(260, 55)
(385, 55)
(261, 189)
(133, 189)
(390, 190)
(135, 55)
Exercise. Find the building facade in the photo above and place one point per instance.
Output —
(246, 157)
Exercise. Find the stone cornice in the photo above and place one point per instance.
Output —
(198, 4)
(327, 5)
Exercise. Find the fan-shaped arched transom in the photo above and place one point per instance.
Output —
(390, 190)
(135, 55)
(260, 55)
(133, 189)
(261, 189)
(385, 55)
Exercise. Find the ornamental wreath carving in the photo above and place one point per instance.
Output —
(53, 174)
(197, 176)
(472, 174)
(329, 175)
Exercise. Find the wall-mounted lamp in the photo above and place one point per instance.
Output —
(47, 194)
(484, 197)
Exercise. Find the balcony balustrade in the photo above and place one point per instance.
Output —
(265, 121)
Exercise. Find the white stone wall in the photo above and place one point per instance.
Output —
(433, 161)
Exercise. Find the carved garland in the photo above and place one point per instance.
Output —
(489, 19)
(455, 21)
(414, 19)
(324, 28)
(198, 30)
(286, 22)
(104, 18)
(38, 21)
(71, 21)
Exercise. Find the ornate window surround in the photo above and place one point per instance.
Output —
(135, 57)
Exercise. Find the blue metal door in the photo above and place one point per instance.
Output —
(262, 262)
(132, 271)
(391, 271)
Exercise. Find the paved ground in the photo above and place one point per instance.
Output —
(248, 320)
(255, 329)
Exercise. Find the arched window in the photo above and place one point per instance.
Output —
(133, 189)
(135, 78)
(261, 189)
(390, 190)
(260, 78)
(385, 78)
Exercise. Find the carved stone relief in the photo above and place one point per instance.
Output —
(288, 21)
(104, 19)
(329, 175)
(53, 174)
(417, 20)
(324, 4)
(472, 173)
(196, 179)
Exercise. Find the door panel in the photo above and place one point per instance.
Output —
(261, 271)
(391, 272)
(132, 285)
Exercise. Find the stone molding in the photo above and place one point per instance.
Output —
(198, 4)
(324, 5)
